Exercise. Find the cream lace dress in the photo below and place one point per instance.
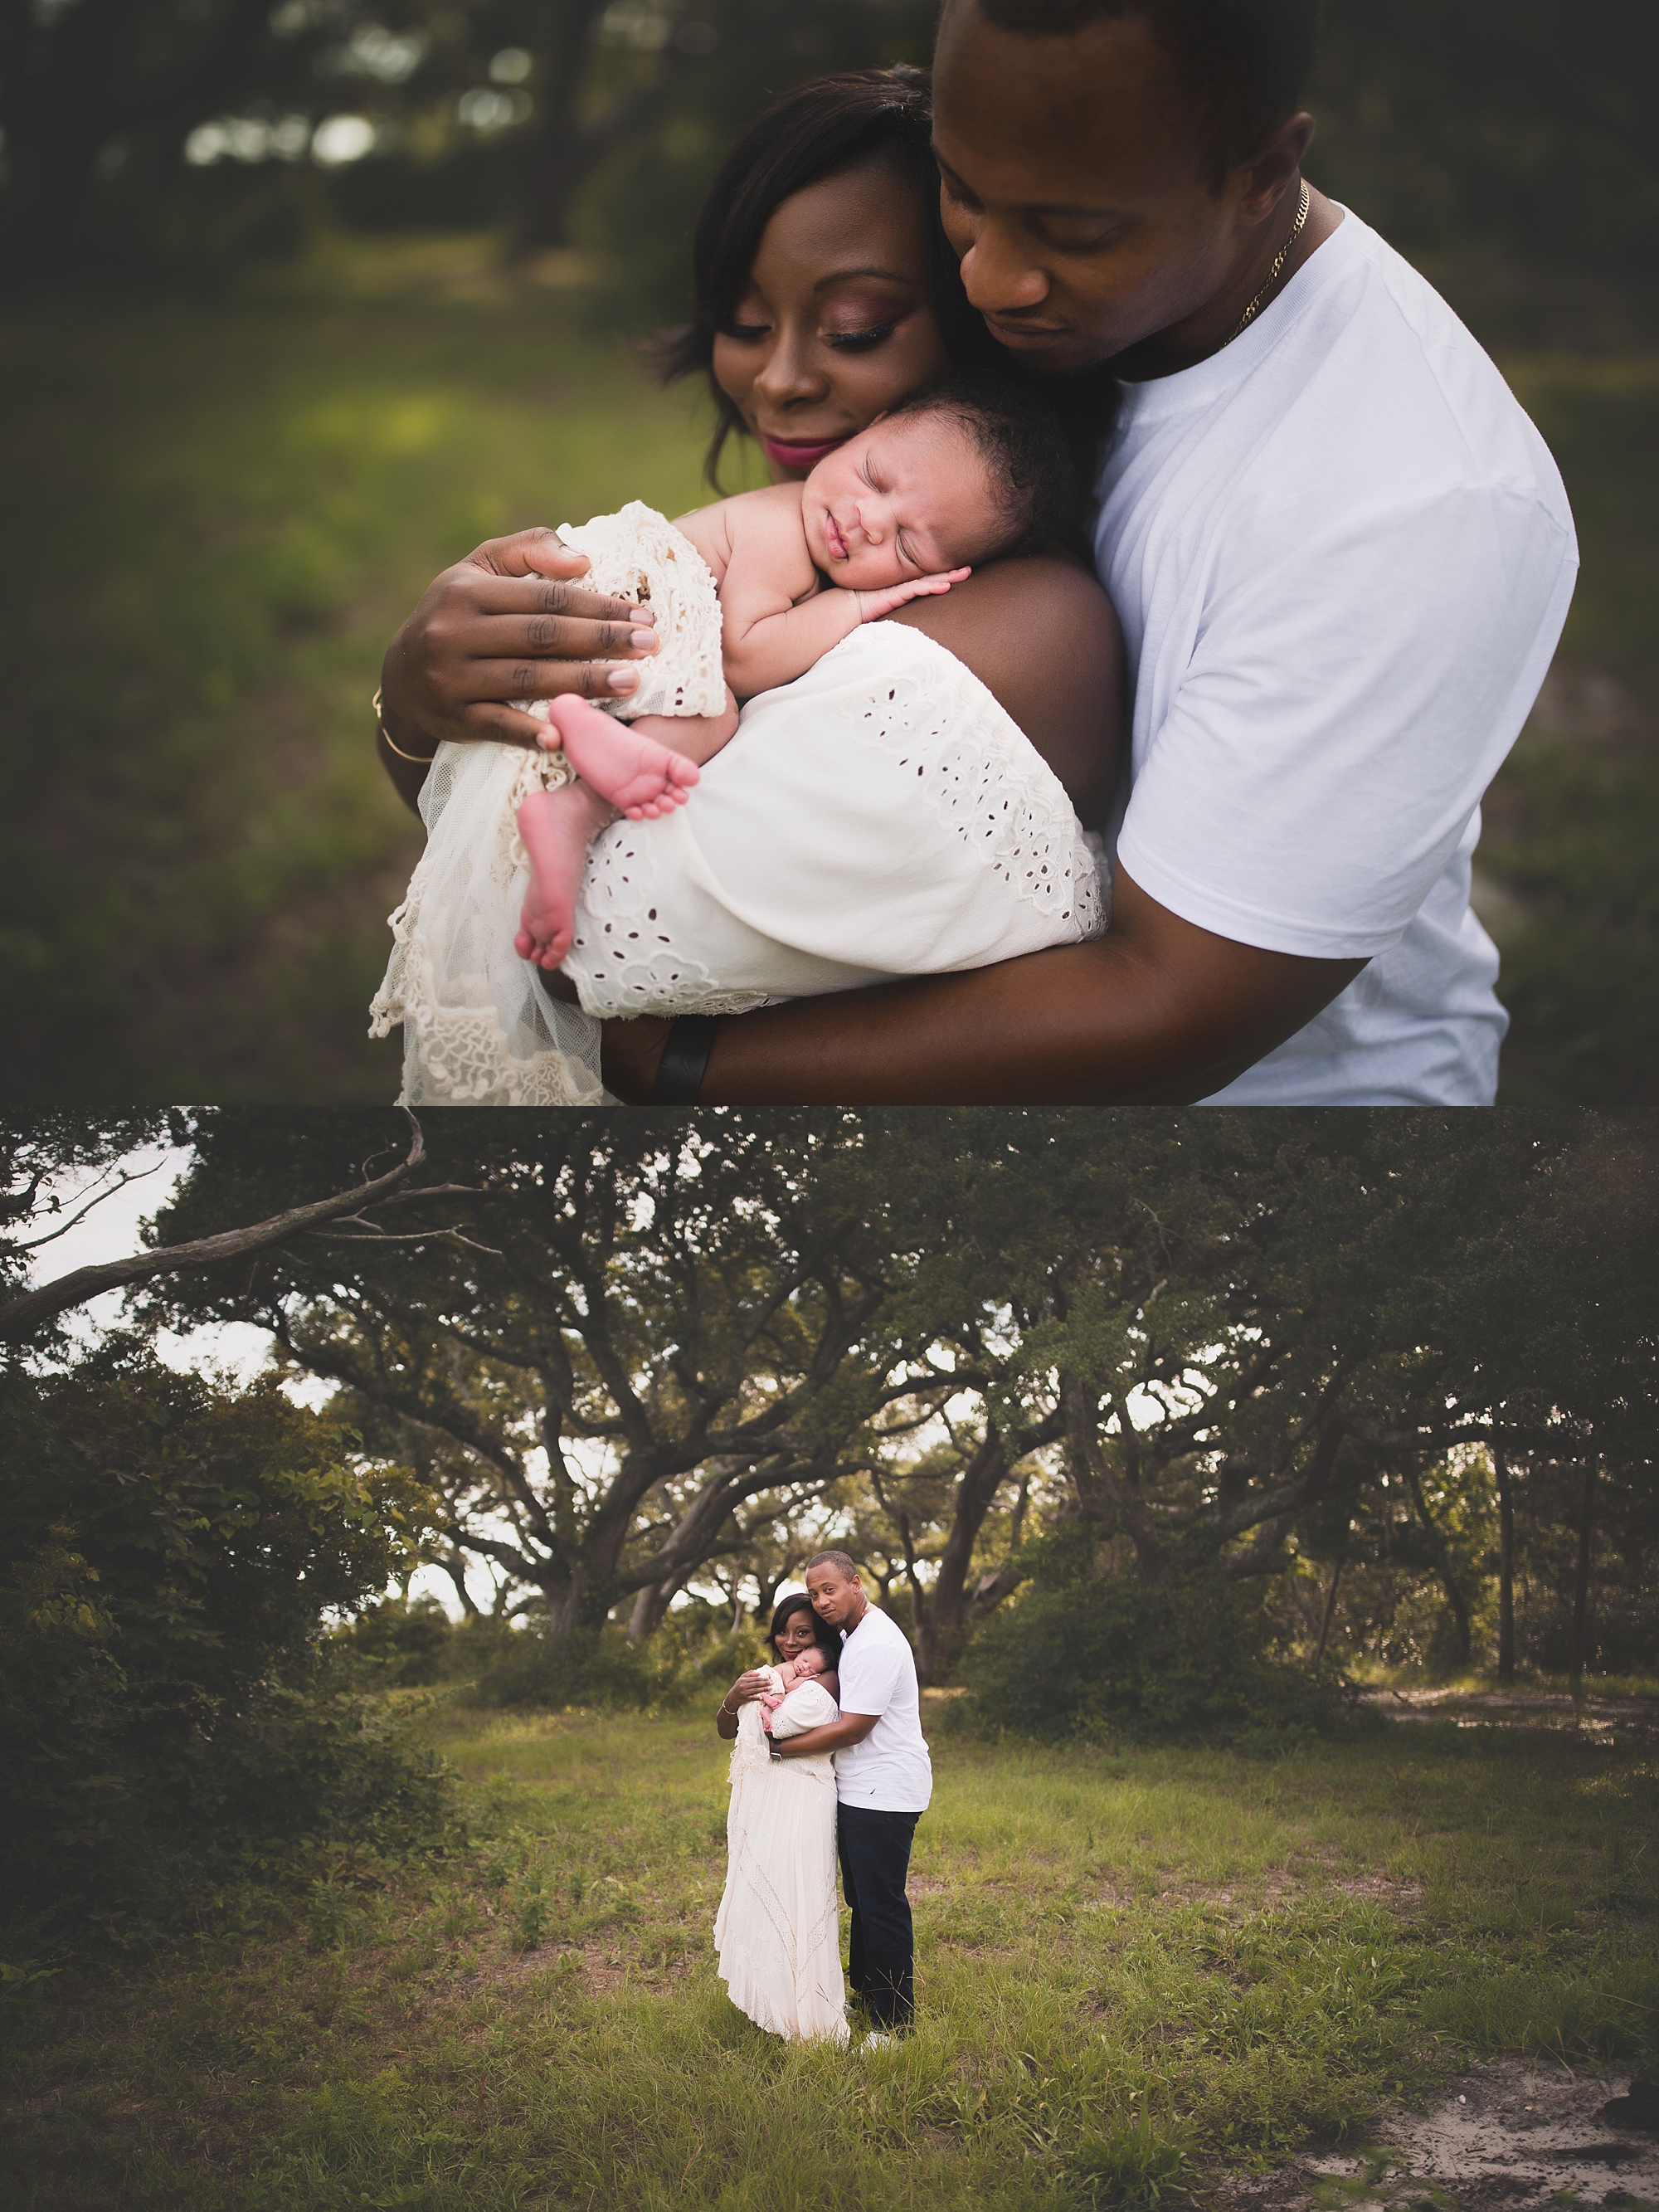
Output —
(776, 1935)
(882, 816)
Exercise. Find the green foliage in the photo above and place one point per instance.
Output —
(1188, 1660)
(168, 1549)
(592, 1668)
(407, 1642)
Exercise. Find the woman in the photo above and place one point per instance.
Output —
(776, 1935)
(825, 292)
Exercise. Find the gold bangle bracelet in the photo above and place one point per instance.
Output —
(415, 760)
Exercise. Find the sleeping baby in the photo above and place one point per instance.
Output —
(880, 814)
(811, 1664)
(960, 473)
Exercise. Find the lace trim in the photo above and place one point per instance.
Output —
(979, 776)
(458, 1048)
(623, 956)
(638, 555)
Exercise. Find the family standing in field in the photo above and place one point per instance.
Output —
(811, 1783)
(914, 807)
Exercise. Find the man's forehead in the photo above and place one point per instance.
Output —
(1051, 124)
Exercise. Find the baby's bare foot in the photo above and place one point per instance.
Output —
(633, 771)
(558, 827)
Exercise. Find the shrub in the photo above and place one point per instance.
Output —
(592, 1666)
(1192, 1659)
(167, 1552)
(409, 1642)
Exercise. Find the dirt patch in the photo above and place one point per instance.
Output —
(1512, 2136)
(1589, 1714)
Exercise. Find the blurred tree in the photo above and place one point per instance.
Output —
(97, 98)
(1527, 128)
(143, 133)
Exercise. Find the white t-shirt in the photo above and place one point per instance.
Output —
(1342, 557)
(890, 1772)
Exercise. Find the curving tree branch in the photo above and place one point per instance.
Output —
(25, 1316)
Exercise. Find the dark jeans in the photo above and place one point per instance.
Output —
(874, 1849)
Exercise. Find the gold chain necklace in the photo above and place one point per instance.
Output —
(1255, 307)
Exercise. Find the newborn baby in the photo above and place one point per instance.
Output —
(957, 474)
(879, 812)
(811, 1664)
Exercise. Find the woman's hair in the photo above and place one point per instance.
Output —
(834, 123)
(826, 1638)
(1032, 462)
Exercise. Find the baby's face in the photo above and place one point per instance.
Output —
(810, 1662)
(909, 496)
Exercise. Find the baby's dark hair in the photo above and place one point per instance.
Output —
(1032, 462)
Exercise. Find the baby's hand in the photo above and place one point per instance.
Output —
(872, 605)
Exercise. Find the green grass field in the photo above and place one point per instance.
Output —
(217, 516)
(1137, 1971)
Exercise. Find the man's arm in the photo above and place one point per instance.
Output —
(834, 1735)
(1156, 1012)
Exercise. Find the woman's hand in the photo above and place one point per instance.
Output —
(743, 1692)
(746, 1689)
(510, 622)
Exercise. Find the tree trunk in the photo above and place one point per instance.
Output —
(566, 1605)
(1330, 1613)
(559, 154)
(1581, 1581)
(1455, 1597)
(650, 1608)
(942, 1614)
(1505, 1564)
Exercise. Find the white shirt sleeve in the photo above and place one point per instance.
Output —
(1346, 702)
(870, 1677)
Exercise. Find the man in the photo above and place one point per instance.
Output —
(884, 1781)
(1342, 558)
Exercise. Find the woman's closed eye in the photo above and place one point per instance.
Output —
(861, 341)
(744, 333)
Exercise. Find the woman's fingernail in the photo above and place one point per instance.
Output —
(623, 679)
(643, 641)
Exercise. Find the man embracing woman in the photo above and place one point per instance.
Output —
(811, 1784)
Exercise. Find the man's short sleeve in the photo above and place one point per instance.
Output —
(869, 1679)
(1339, 716)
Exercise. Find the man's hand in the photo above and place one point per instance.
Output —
(510, 622)
(629, 1054)
(834, 1735)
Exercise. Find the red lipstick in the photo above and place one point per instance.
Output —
(799, 453)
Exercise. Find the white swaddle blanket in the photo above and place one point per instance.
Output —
(882, 816)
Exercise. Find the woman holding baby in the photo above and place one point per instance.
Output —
(775, 1936)
(812, 860)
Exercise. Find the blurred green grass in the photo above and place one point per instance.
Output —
(217, 513)
(216, 517)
